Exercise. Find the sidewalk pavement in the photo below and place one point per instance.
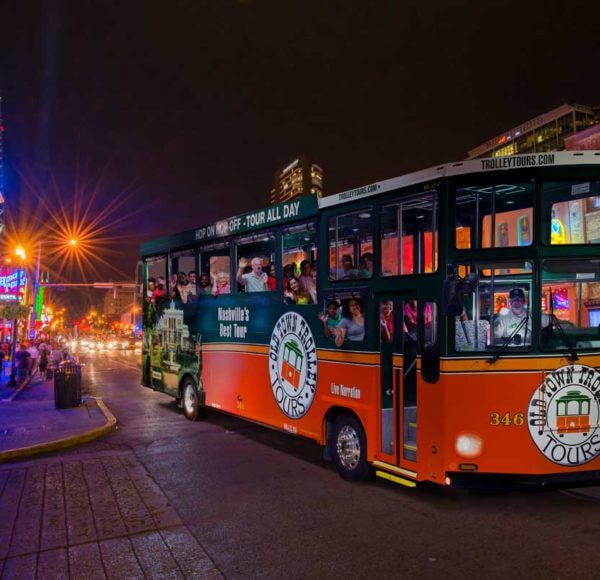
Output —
(30, 424)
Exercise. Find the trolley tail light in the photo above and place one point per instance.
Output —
(468, 445)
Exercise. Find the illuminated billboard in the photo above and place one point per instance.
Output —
(12, 285)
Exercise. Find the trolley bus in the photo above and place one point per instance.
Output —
(442, 326)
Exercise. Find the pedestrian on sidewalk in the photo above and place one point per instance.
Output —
(43, 364)
(22, 358)
(35, 355)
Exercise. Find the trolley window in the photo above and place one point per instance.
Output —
(215, 270)
(570, 313)
(344, 318)
(182, 278)
(497, 312)
(351, 245)
(409, 237)
(254, 256)
(494, 216)
(571, 212)
(299, 264)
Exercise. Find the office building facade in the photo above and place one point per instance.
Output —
(301, 177)
(546, 132)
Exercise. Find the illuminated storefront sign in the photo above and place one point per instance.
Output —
(12, 285)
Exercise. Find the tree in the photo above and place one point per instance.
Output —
(14, 312)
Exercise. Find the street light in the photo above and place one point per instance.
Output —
(20, 252)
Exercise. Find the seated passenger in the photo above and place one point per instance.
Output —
(307, 281)
(386, 315)
(351, 327)
(289, 271)
(192, 285)
(366, 265)
(205, 284)
(347, 270)
(330, 319)
(295, 293)
(221, 284)
(256, 279)
(506, 324)
(410, 320)
(271, 280)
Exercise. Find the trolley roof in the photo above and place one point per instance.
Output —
(308, 206)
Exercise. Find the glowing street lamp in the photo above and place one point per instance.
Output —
(20, 252)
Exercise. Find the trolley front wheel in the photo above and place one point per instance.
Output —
(349, 447)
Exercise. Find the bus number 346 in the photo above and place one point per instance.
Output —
(507, 419)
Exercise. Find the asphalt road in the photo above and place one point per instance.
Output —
(264, 504)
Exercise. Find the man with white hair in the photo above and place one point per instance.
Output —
(256, 279)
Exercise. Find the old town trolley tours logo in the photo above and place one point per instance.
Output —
(563, 415)
(293, 365)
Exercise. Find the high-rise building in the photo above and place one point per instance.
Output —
(546, 132)
(118, 302)
(301, 177)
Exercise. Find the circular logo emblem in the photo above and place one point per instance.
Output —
(563, 415)
(293, 365)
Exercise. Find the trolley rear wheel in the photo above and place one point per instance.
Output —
(190, 402)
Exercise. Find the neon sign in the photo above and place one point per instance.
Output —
(12, 284)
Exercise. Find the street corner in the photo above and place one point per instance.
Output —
(31, 428)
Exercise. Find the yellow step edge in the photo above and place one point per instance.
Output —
(410, 447)
(394, 468)
(395, 479)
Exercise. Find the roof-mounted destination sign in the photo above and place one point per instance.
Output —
(300, 208)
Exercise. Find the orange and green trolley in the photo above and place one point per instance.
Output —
(441, 326)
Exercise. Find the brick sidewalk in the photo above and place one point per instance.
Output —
(101, 517)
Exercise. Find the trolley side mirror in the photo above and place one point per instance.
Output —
(455, 291)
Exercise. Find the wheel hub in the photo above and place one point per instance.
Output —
(348, 447)
(189, 399)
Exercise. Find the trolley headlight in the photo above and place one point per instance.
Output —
(468, 445)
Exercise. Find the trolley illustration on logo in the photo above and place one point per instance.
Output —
(573, 413)
(293, 361)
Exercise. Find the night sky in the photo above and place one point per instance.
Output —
(185, 109)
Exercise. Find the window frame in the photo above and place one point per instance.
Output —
(491, 349)
(356, 263)
(546, 212)
(434, 194)
(545, 348)
(493, 183)
(311, 226)
(235, 245)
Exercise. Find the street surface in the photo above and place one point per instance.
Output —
(164, 497)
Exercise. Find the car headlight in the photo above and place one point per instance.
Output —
(468, 445)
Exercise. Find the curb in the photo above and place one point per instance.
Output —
(65, 442)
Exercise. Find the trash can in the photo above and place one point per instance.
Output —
(67, 386)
